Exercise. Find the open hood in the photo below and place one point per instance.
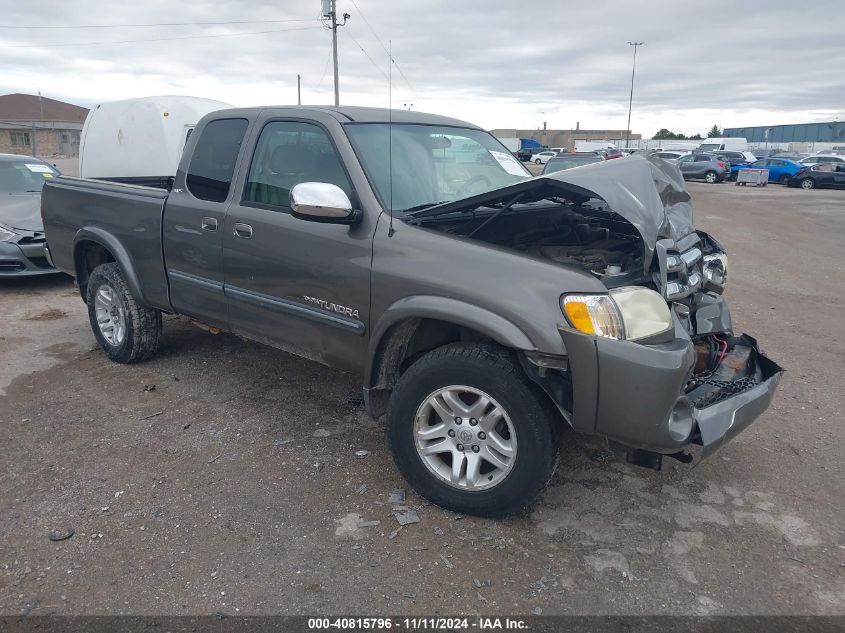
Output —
(650, 193)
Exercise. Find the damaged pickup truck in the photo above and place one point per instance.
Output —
(482, 308)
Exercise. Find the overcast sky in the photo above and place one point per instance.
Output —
(497, 63)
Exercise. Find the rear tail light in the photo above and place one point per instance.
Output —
(720, 164)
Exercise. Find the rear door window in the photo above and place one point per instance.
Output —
(215, 156)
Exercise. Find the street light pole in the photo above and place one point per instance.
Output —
(631, 98)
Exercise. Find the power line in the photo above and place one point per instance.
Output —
(115, 26)
(383, 74)
(389, 53)
(159, 39)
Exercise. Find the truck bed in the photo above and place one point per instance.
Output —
(125, 217)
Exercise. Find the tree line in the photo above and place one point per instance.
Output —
(667, 135)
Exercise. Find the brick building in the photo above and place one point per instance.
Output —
(32, 124)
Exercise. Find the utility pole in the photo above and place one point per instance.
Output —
(631, 99)
(298, 89)
(330, 11)
(32, 141)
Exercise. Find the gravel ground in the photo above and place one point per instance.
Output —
(222, 476)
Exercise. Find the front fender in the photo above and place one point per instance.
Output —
(449, 310)
(118, 251)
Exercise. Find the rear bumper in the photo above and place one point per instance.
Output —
(24, 260)
(640, 396)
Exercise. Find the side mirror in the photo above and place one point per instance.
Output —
(322, 202)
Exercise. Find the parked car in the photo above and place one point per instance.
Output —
(525, 153)
(819, 176)
(708, 167)
(669, 155)
(290, 226)
(541, 158)
(22, 242)
(780, 169)
(822, 158)
(568, 161)
(736, 160)
(614, 153)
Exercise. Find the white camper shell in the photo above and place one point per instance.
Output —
(140, 141)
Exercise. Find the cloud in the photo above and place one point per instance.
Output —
(493, 62)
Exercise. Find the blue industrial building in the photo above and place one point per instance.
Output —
(831, 132)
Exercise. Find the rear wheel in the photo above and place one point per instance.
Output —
(469, 432)
(808, 183)
(127, 331)
(538, 162)
(711, 177)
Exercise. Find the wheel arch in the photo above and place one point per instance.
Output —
(93, 246)
(415, 325)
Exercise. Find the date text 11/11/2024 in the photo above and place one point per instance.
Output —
(416, 623)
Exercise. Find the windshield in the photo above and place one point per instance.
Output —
(24, 176)
(706, 147)
(432, 164)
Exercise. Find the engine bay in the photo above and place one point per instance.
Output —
(590, 237)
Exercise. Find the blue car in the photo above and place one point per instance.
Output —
(780, 169)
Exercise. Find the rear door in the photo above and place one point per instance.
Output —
(298, 285)
(194, 221)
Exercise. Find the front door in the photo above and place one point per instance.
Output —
(194, 222)
(298, 285)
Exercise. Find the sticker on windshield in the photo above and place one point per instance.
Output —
(47, 174)
(38, 169)
(508, 163)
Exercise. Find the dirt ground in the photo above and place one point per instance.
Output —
(222, 476)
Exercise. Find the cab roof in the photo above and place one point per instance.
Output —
(353, 114)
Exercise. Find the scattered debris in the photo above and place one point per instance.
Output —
(447, 561)
(361, 454)
(602, 456)
(149, 387)
(356, 403)
(407, 517)
(186, 427)
(395, 532)
(57, 536)
(537, 611)
(118, 493)
(438, 531)
(361, 489)
(104, 509)
(363, 524)
(457, 517)
(481, 598)
(321, 433)
(397, 497)
(418, 548)
(156, 414)
(214, 459)
(538, 585)
(481, 583)
(281, 442)
(410, 594)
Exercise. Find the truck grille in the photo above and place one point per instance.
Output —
(679, 262)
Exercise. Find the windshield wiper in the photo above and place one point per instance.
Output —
(420, 207)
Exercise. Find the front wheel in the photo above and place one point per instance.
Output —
(127, 332)
(784, 180)
(538, 162)
(808, 183)
(711, 177)
(469, 432)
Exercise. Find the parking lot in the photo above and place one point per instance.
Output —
(222, 476)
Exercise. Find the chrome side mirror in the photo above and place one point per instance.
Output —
(322, 202)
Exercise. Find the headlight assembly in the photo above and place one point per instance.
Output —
(6, 234)
(632, 313)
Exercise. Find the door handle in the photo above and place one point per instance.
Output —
(242, 230)
(209, 224)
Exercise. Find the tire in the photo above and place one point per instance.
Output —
(808, 183)
(135, 330)
(711, 177)
(784, 179)
(527, 427)
(538, 162)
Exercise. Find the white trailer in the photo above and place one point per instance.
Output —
(512, 143)
(593, 146)
(140, 141)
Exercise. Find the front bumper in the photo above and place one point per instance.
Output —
(639, 395)
(24, 258)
